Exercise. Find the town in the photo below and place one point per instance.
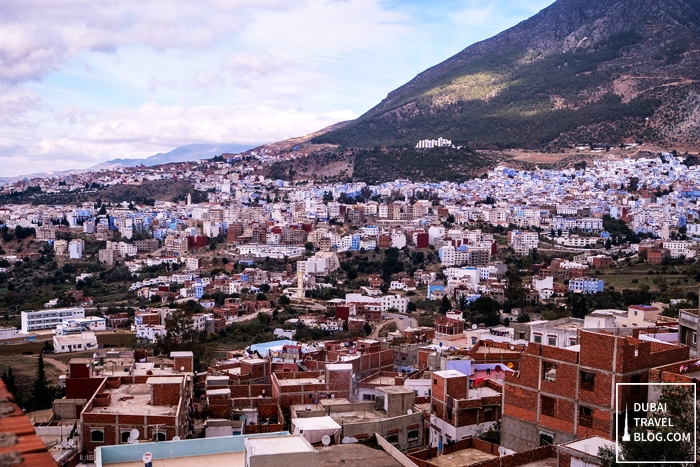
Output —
(445, 324)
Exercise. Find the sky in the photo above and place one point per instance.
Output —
(85, 81)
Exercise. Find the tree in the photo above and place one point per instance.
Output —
(40, 393)
(367, 328)
(283, 300)
(445, 305)
(9, 380)
(179, 334)
(679, 415)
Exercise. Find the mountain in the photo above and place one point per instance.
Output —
(579, 71)
(182, 154)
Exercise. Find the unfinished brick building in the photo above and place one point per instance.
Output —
(564, 394)
(458, 411)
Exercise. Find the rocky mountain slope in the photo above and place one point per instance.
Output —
(580, 71)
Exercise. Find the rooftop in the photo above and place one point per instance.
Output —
(355, 455)
(460, 458)
(230, 459)
(277, 445)
(133, 399)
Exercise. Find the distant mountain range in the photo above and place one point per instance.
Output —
(187, 153)
(580, 71)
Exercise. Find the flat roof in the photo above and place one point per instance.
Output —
(230, 459)
(354, 455)
(460, 458)
(183, 353)
(300, 381)
(133, 399)
(395, 390)
(449, 374)
(165, 380)
(590, 445)
(278, 445)
(339, 366)
(382, 380)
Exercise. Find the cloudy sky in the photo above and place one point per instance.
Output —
(82, 81)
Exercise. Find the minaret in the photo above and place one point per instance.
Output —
(626, 435)
(189, 199)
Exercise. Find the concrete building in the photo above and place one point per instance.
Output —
(156, 406)
(563, 394)
(75, 248)
(48, 319)
(689, 328)
(459, 411)
(74, 342)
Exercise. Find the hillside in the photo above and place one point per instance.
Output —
(379, 165)
(147, 192)
(579, 71)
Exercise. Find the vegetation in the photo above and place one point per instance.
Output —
(508, 102)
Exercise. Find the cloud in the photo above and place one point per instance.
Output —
(39, 36)
(154, 128)
(15, 104)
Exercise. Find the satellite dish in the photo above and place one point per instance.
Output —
(474, 326)
(87, 365)
(64, 443)
(134, 433)
(349, 440)
(71, 442)
(136, 441)
(147, 457)
(182, 368)
(409, 411)
(176, 438)
(326, 440)
(130, 440)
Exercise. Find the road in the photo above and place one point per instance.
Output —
(405, 322)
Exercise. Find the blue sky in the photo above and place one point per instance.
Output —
(82, 82)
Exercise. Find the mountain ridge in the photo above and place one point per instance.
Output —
(587, 70)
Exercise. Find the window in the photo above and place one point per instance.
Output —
(547, 406)
(572, 341)
(587, 381)
(97, 436)
(546, 439)
(521, 336)
(393, 439)
(695, 338)
(413, 435)
(434, 381)
(537, 338)
(585, 416)
(159, 436)
(552, 340)
(549, 371)
(125, 436)
(367, 397)
(636, 389)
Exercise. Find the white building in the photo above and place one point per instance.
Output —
(75, 248)
(74, 342)
(48, 319)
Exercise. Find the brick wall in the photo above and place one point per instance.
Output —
(165, 394)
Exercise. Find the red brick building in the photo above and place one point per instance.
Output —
(564, 394)
(458, 410)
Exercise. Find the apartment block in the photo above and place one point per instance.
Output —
(564, 394)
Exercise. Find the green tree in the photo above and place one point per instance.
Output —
(445, 305)
(679, 412)
(9, 380)
(40, 393)
(367, 328)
